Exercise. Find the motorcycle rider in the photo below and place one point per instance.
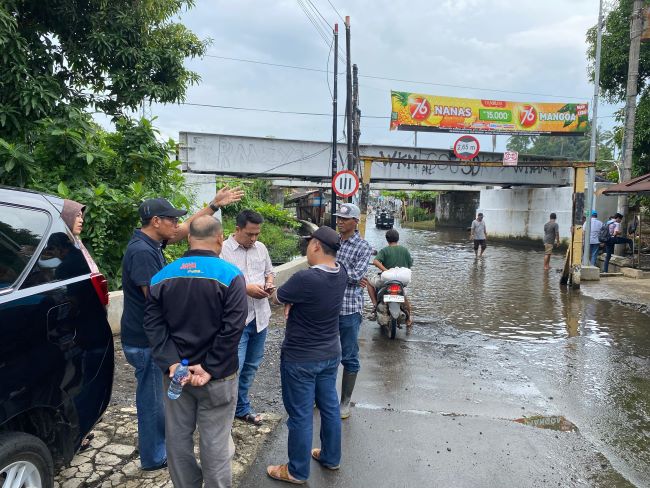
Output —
(392, 256)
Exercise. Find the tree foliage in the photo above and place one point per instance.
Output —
(613, 75)
(57, 55)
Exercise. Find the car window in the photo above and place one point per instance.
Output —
(21, 231)
(60, 259)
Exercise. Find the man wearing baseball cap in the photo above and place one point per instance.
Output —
(594, 242)
(142, 260)
(310, 358)
(354, 255)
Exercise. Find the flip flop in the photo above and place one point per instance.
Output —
(281, 473)
(315, 453)
(251, 418)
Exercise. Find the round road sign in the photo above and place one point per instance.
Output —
(466, 147)
(345, 183)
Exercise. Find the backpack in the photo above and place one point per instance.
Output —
(603, 234)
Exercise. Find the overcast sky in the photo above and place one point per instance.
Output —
(529, 46)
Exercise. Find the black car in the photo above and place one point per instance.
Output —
(56, 346)
(384, 219)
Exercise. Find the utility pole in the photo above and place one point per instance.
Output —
(593, 149)
(356, 118)
(636, 29)
(348, 97)
(334, 115)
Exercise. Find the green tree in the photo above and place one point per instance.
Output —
(100, 54)
(613, 75)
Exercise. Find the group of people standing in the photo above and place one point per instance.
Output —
(211, 307)
(551, 239)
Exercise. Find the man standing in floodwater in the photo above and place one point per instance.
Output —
(551, 239)
(478, 233)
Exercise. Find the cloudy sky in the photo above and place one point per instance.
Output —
(520, 50)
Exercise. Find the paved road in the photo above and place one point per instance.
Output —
(436, 409)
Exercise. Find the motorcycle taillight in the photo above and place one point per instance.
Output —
(394, 289)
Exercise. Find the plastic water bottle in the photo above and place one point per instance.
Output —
(176, 387)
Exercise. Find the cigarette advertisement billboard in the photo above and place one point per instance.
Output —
(419, 112)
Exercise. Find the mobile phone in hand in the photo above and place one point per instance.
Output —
(269, 289)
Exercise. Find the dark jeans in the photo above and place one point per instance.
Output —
(593, 249)
(149, 404)
(609, 248)
(349, 326)
(302, 384)
(251, 353)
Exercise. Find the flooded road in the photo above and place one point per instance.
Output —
(589, 359)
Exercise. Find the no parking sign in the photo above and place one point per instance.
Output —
(345, 183)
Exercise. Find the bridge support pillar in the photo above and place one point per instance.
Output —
(571, 272)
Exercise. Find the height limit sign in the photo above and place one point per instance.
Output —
(345, 183)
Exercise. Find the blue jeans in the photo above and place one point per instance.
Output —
(251, 353)
(593, 248)
(609, 248)
(302, 384)
(149, 403)
(349, 326)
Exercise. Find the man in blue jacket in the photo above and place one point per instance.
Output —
(196, 310)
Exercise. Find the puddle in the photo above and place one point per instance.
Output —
(557, 422)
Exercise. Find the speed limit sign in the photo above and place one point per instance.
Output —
(345, 183)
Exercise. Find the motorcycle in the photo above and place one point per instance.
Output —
(391, 307)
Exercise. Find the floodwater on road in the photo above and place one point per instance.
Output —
(590, 358)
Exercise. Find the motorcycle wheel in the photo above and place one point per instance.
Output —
(393, 328)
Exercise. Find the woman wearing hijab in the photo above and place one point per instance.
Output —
(73, 216)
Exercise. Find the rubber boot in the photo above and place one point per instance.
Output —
(347, 385)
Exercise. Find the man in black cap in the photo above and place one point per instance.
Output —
(142, 260)
(310, 357)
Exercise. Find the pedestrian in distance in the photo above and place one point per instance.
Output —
(142, 260)
(354, 255)
(310, 357)
(594, 243)
(478, 233)
(615, 237)
(196, 310)
(551, 239)
(393, 255)
(252, 258)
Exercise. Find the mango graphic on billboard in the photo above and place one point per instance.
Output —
(416, 111)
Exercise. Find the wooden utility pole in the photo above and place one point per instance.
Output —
(348, 97)
(636, 29)
(334, 116)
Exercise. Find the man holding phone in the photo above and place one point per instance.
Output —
(252, 258)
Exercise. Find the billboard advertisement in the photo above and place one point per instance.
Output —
(416, 111)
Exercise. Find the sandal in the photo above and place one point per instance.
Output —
(281, 473)
(251, 418)
(315, 453)
(85, 443)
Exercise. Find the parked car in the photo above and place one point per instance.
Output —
(384, 219)
(56, 346)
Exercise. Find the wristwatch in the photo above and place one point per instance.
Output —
(214, 206)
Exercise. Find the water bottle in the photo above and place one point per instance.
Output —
(176, 387)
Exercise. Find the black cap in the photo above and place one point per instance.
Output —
(158, 207)
(327, 236)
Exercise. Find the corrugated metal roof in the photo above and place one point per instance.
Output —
(640, 184)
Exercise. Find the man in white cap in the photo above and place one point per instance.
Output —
(354, 255)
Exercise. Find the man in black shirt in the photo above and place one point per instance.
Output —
(311, 352)
(196, 310)
(142, 260)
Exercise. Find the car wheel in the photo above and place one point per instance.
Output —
(25, 461)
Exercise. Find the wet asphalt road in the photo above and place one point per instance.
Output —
(496, 340)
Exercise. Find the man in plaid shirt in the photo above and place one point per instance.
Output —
(354, 255)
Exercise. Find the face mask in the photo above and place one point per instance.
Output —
(49, 263)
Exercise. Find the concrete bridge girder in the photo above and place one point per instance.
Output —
(257, 156)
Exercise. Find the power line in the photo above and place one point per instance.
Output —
(314, 21)
(289, 112)
(337, 12)
(400, 80)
